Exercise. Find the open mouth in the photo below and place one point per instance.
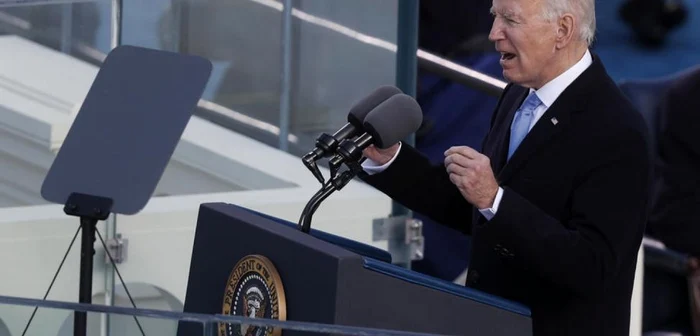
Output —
(507, 56)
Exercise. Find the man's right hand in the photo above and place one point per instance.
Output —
(380, 156)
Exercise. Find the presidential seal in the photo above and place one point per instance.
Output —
(254, 289)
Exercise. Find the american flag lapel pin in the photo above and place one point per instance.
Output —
(555, 121)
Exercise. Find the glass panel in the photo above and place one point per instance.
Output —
(41, 88)
(49, 56)
(339, 54)
(18, 316)
(342, 53)
(245, 81)
(18, 320)
(80, 29)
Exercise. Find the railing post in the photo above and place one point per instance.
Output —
(286, 85)
(406, 62)
(111, 222)
(404, 251)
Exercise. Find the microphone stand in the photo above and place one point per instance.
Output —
(335, 183)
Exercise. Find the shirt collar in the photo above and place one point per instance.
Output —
(551, 91)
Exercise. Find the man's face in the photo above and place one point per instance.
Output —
(525, 40)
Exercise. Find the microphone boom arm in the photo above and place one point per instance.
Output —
(333, 185)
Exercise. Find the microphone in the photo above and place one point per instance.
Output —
(326, 144)
(386, 125)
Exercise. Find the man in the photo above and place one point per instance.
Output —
(556, 219)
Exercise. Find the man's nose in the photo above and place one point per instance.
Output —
(496, 32)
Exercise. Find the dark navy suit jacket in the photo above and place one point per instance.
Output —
(565, 238)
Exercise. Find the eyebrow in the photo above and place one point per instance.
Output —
(507, 13)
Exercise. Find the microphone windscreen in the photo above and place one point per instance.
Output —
(359, 111)
(393, 120)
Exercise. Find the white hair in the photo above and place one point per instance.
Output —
(584, 10)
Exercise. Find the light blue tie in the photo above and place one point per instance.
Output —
(521, 122)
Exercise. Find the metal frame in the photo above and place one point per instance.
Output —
(111, 222)
(406, 65)
(286, 94)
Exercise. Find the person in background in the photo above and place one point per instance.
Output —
(675, 218)
(653, 20)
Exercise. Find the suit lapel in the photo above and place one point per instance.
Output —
(499, 151)
(554, 120)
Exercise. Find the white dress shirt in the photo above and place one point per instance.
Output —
(547, 95)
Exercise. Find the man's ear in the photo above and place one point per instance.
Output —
(566, 26)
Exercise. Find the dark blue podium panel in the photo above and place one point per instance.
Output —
(323, 282)
(128, 127)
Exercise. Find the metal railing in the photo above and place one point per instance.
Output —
(460, 74)
(209, 323)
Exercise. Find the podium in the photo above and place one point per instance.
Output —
(251, 264)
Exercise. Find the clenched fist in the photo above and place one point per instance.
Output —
(471, 172)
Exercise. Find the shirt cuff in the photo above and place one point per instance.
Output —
(491, 212)
(371, 167)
